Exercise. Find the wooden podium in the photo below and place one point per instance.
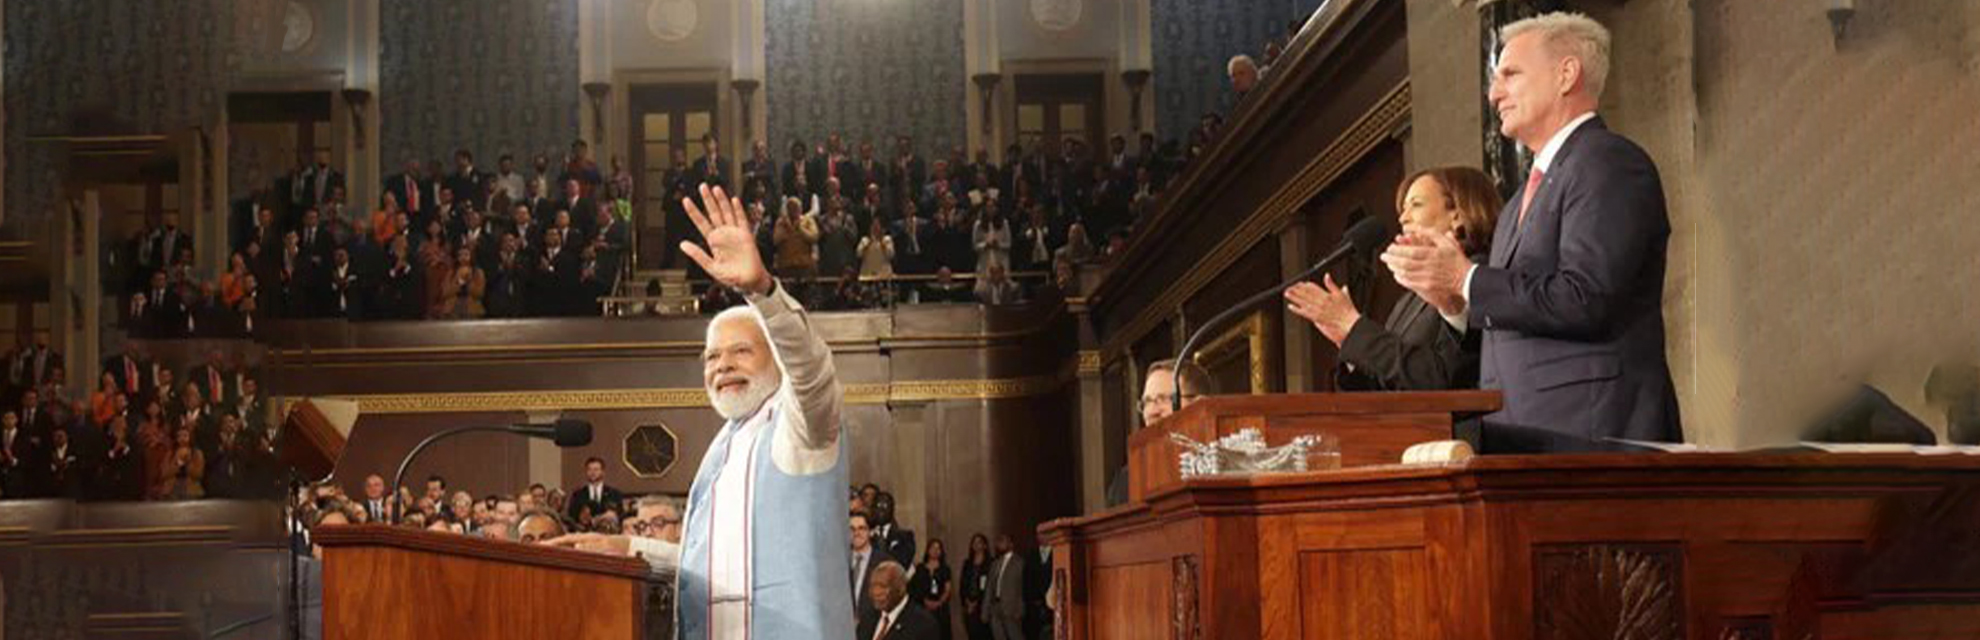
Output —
(1640, 546)
(382, 582)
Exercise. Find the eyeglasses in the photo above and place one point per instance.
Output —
(1166, 399)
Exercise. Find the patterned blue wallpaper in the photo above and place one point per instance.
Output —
(492, 76)
(1194, 39)
(130, 65)
(865, 70)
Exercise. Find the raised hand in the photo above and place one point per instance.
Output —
(1433, 266)
(1326, 305)
(731, 257)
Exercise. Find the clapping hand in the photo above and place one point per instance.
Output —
(1433, 266)
(731, 257)
(1327, 305)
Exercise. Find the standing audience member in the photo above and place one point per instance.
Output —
(1004, 595)
(932, 587)
(974, 588)
(865, 558)
(595, 497)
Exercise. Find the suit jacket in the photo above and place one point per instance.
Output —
(717, 175)
(1571, 300)
(914, 623)
(1005, 596)
(1414, 349)
(899, 543)
(403, 186)
(863, 610)
(318, 182)
(581, 498)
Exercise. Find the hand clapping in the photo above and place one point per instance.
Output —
(1433, 266)
(1328, 307)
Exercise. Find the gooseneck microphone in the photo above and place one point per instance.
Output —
(566, 432)
(1369, 235)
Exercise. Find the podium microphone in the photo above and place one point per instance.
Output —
(566, 432)
(1369, 235)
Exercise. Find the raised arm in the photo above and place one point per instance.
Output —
(732, 259)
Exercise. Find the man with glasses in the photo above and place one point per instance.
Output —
(657, 518)
(1158, 400)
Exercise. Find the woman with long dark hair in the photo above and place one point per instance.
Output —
(931, 586)
(976, 577)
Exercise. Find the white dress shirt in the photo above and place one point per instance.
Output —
(1542, 162)
(887, 619)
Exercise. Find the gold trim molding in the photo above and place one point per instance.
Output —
(606, 399)
(1327, 166)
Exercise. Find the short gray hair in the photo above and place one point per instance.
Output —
(1231, 67)
(738, 311)
(1570, 35)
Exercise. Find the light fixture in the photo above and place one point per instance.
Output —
(1136, 80)
(987, 84)
(597, 91)
(745, 88)
(356, 99)
(1840, 11)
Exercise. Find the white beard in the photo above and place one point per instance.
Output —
(736, 405)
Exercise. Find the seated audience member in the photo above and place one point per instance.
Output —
(850, 293)
(945, 288)
(890, 615)
(539, 527)
(1414, 348)
(1077, 248)
(1158, 400)
(997, 288)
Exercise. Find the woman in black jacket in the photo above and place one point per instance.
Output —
(1414, 349)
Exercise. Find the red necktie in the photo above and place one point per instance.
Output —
(412, 194)
(1526, 199)
(130, 377)
(213, 384)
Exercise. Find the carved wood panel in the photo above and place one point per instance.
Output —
(1619, 591)
(1184, 625)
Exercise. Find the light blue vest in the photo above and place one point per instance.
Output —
(800, 550)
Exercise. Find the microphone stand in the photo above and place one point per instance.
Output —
(1182, 357)
(398, 479)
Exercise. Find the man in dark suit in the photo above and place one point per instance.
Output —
(1004, 595)
(595, 495)
(167, 241)
(130, 368)
(865, 170)
(466, 181)
(866, 557)
(711, 168)
(898, 541)
(1570, 299)
(557, 272)
(581, 208)
(409, 188)
(319, 180)
(19, 457)
(760, 169)
(799, 166)
(895, 615)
